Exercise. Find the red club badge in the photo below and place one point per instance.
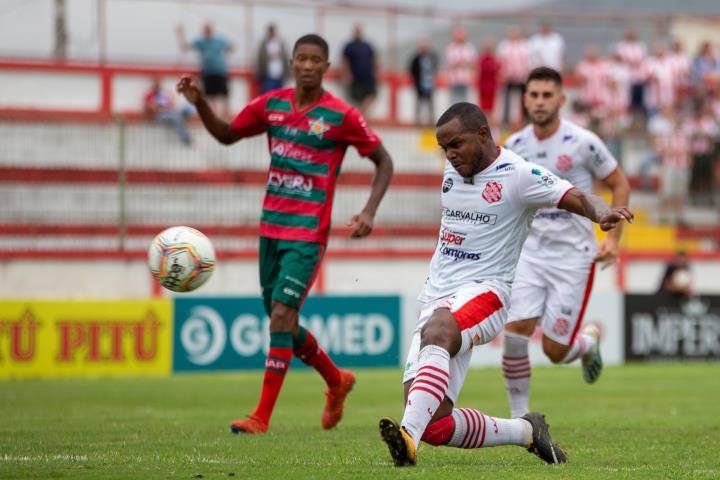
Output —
(492, 192)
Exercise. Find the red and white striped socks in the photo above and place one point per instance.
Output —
(583, 343)
(427, 390)
(473, 429)
(516, 370)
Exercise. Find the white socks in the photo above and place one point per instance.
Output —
(473, 429)
(427, 390)
(583, 343)
(516, 370)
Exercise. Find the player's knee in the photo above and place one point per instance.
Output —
(555, 353)
(523, 328)
(435, 333)
(282, 318)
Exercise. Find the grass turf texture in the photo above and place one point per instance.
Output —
(638, 421)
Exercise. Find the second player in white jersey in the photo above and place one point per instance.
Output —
(578, 156)
(556, 267)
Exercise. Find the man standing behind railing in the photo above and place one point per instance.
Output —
(460, 57)
(214, 69)
(309, 131)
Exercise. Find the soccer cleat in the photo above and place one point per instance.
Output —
(335, 398)
(592, 361)
(399, 442)
(542, 444)
(252, 425)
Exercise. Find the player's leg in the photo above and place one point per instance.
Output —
(471, 428)
(283, 320)
(469, 317)
(564, 338)
(516, 364)
(299, 264)
(527, 304)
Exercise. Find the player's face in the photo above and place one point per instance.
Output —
(543, 99)
(309, 65)
(462, 148)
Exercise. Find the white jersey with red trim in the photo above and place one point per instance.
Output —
(485, 221)
(577, 155)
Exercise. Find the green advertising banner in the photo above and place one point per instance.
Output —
(231, 333)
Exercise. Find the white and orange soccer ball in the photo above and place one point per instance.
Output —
(181, 258)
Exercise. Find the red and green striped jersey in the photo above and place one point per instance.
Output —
(306, 149)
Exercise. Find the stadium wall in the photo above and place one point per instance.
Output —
(90, 290)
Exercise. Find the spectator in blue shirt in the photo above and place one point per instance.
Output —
(358, 67)
(214, 70)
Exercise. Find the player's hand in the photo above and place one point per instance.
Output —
(361, 224)
(189, 89)
(607, 253)
(615, 216)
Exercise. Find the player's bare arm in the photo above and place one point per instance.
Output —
(594, 208)
(362, 223)
(218, 128)
(620, 189)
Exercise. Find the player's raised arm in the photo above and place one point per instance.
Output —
(595, 209)
(362, 223)
(218, 128)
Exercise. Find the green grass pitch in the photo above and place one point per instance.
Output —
(638, 421)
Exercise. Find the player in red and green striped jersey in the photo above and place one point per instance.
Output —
(308, 132)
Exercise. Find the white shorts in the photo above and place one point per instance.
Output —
(555, 291)
(481, 316)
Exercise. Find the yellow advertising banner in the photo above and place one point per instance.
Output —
(85, 338)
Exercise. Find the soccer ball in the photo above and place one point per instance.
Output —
(181, 259)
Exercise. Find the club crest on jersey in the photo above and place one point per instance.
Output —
(318, 127)
(561, 327)
(564, 163)
(492, 192)
(447, 185)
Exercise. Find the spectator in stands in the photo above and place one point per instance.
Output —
(423, 69)
(214, 69)
(705, 65)
(460, 58)
(614, 124)
(658, 126)
(488, 78)
(547, 49)
(680, 66)
(660, 80)
(702, 130)
(359, 67)
(592, 73)
(676, 279)
(272, 62)
(513, 55)
(159, 105)
(673, 149)
(633, 52)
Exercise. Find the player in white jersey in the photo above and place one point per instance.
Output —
(489, 197)
(555, 271)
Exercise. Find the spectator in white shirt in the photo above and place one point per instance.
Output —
(513, 55)
(633, 52)
(547, 49)
(680, 65)
(661, 80)
(460, 58)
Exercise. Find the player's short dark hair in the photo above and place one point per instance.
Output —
(546, 73)
(470, 115)
(313, 39)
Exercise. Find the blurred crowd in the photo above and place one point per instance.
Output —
(661, 92)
